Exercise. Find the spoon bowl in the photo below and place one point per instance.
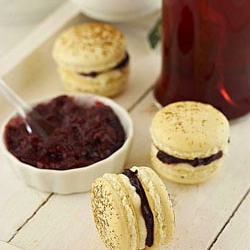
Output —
(33, 120)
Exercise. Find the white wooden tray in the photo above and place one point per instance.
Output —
(212, 215)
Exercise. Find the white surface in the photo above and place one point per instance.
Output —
(6, 246)
(237, 228)
(11, 35)
(34, 37)
(14, 12)
(211, 216)
(19, 17)
(117, 10)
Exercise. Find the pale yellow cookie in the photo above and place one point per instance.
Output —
(92, 57)
(119, 202)
(189, 141)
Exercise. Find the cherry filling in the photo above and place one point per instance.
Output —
(83, 135)
(145, 208)
(120, 65)
(166, 158)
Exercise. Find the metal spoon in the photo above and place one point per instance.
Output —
(34, 122)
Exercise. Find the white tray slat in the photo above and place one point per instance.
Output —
(64, 223)
(237, 232)
(6, 246)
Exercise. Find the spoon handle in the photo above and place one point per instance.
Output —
(21, 106)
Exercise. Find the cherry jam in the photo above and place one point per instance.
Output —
(83, 135)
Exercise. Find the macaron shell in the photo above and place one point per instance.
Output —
(160, 205)
(89, 47)
(107, 84)
(182, 172)
(189, 129)
(111, 217)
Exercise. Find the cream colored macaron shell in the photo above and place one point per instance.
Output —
(117, 210)
(188, 130)
(108, 83)
(89, 47)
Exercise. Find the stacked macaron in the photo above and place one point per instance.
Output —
(189, 141)
(92, 58)
(132, 210)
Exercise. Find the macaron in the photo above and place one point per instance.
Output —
(132, 210)
(92, 57)
(189, 141)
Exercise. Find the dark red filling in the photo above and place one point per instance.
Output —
(83, 135)
(145, 208)
(166, 158)
(120, 65)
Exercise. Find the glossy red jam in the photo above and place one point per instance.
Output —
(83, 135)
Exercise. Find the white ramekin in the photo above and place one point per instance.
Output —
(78, 179)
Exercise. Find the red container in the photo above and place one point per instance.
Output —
(206, 54)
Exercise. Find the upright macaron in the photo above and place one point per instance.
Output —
(92, 57)
(132, 210)
(189, 141)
